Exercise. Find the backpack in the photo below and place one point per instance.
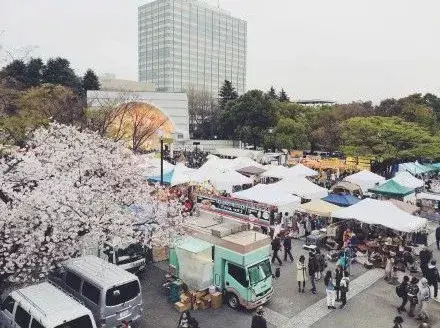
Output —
(400, 290)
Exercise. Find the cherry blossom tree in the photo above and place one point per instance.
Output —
(69, 186)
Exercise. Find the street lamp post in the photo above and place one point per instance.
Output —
(160, 133)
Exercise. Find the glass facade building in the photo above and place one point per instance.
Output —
(188, 44)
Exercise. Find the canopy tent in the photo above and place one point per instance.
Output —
(406, 179)
(407, 207)
(151, 165)
(365, 179)
(342, 200)
(167, 176)
(319, 207)
(220, 164)
(415, 168)
(275, 171)
(267, 194)
(302, 170)
(436, 166)
(347, 187)
(392, 188)
(226, 181)
(238, 152)
(429, 196)
(251, 170)
(242, 162)
(372, 211)
(181, 174)
(301, 187)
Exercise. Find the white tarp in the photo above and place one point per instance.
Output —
(242, 162)
(276, 171)
(267, 194)
(302, 170)
(365, 179)
(406, 179)
(238, 152)
(181, 175)
(151, 165)
(372, 211)
(301, 187)
(227, 180)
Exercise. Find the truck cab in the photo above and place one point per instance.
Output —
(130, 257)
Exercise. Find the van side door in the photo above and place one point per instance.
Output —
(91, 296)
(7, 312)
(22, 317)
(72, 283)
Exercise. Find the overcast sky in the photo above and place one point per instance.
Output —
(342, 50)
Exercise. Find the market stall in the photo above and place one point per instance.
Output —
(407, 207)
(406, 179)
(343, 200)
(365, 179)
(301, 170)
(391, 189)
(276, 171)
(347, 187)
(301, 187)
(319, 207)
(229, 181)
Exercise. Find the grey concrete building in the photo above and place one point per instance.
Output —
(188, 44)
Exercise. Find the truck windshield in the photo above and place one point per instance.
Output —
(81, 322)
(129, 254)
(259, 272)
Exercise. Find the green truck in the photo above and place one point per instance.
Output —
(227, 255)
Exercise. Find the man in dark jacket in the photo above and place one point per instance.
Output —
(287, 243)
(437, 236)
(412, 292)
(258, 321)
(433, 276)
(403, 291)
(312, 267)
(276, 246)
(425, 257)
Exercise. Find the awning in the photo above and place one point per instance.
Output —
(167, 176)
(267, 194)
(251, 170)
(342, 200)
(319, 207)
(372, 211)
(365, 179)
(392, 188)
(407, 207)
(406, 179)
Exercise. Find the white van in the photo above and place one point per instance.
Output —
(111, 293)
(43, 306)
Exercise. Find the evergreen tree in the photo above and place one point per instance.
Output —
(272, 94)
(58, 71)
(16, 72)
(90, 81)
(34, 70)
(226, 94)
(283, 96)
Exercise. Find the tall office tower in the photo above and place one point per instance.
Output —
(187, 44)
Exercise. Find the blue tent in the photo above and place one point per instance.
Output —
(167, 176)
(344, 200)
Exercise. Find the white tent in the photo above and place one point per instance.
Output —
(301, 187)
(372, 211)
(365, 179)
(151, 165)
(181, 174)
(227, 180)
(406, 179)
(242, 162)
(268, 194)
(429, 196)
(276, 171)
(302, 170)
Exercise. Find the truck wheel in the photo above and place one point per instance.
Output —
(233, 301)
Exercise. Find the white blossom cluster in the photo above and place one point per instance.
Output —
(67, 185)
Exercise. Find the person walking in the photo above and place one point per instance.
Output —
(345, 281)
(301, 276)
(424, 297)
(287, 243)
(258, 320)
(402, 292)
(320, 259)
(330, 290)
(187, 321)
(412, 292)
(313, 268)
(338, 278)
(433, 277)
(425, 257)
(389, 268)
(398, 322)
(437, 236)
(276, 246)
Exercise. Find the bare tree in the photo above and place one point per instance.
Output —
(202, 109)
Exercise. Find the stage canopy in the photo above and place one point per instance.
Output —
(372, 211)
(392, 188)
(319, 207)
(301, 187)
(365, 179)
(406, 179)
(342, 200)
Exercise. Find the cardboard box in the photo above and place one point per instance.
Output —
(185, 299)
(160, 254)
(179, 306)
(201, 294)
(216, 300)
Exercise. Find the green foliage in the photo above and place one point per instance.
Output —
(291, 134)
(248, 117)
(226, 94)
(387, 137)
(58, 71)
(283, 96)
(90, 81)
(272, 94)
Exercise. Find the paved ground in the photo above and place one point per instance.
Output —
(372, 303)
